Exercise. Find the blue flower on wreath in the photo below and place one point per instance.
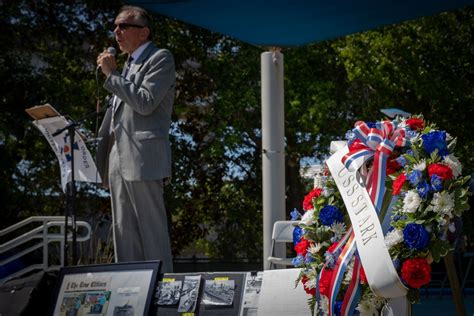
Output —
(308, 258)
(401, 160)
(295, 214)
(410, 134)
(350, 136)
(442, 235)
(331, 258)
(435, 140)
(330, 214)
(423, 188)
(414, 177)
(415, 236)
(396, 264)
(436, 183)
(297, 261)
(297, 234)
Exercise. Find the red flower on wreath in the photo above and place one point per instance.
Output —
(415, 123)
(416, 272)
(301, 248)
(325, 282)
(442, 171)
(308, 199)
(398, 183)
(312, 291)
(392, 165)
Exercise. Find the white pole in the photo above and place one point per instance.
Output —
(273, 147)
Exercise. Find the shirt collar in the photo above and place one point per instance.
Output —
(139, 51)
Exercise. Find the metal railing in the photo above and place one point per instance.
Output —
(45, 237)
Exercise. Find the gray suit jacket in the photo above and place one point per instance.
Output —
(141, 119)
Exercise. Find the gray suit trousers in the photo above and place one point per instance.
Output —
(140, 224)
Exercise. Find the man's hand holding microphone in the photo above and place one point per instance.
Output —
(106, 61)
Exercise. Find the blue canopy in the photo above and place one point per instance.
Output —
(284, 23)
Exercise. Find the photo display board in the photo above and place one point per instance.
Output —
(106, 290)
(218, 293)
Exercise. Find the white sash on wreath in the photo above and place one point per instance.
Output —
(381, 275)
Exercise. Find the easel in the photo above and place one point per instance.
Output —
(454, 283)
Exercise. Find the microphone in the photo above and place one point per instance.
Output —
(112, 51)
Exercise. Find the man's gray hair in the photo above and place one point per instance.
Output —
(140, 16)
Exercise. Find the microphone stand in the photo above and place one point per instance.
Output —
(71, 189)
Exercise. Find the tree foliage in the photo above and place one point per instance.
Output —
(214, 199)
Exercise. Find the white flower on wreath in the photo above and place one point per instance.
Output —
(324, 305)
(420, 166)
(452, 227)
(314, 248)
(370, 304)
(411, 201)
(443, 203)
(366, 309)
(310, 284)
(307, 218)
(455, 165)
(338, 229)
(327, 192)
(349, 272)
(393, 237)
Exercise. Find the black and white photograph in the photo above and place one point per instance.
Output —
(218, 292)
(124, 310)
(168, 292)
(189, 294)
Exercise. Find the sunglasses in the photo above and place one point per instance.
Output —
(125, 26)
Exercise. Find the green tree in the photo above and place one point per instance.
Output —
(214, 199)
(47, 55)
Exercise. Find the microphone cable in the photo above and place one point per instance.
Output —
(97, 106)
(112, 51)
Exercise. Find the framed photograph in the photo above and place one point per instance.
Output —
(119, 289)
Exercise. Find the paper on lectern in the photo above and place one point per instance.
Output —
(85, 168)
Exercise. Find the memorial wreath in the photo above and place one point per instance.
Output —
(403, 171)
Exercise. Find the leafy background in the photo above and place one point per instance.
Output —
(214, 201)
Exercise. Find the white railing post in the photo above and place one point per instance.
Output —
(40, 232)
(45, 244)
(273, 147)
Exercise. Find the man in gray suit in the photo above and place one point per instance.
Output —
(134, 155)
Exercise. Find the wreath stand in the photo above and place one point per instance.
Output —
(454, 284)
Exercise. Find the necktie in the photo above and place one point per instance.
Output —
(127, 67)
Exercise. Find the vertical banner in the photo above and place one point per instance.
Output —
(85, 169)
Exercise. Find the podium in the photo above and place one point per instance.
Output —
(75, 160)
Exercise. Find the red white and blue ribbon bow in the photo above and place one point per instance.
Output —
(378, 142)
